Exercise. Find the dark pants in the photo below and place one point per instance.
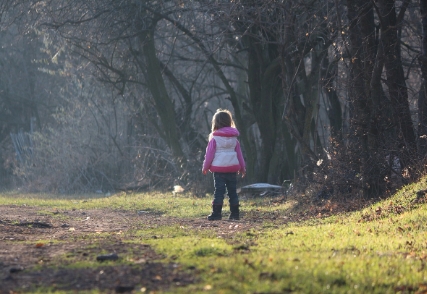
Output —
(223, 181)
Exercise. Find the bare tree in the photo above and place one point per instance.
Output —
(302, 77)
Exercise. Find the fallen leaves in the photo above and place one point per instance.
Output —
(382, 212)
(158, 278)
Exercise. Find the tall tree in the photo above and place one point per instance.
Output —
(397, 89)
(422, 100)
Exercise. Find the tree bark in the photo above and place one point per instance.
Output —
(396, 84)
(163, 102)
(264, 88)
(422, 100)
(334, 112)
(364, 144)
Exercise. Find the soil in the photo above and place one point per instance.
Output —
(30, 251)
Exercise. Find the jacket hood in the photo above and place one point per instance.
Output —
(227, 132)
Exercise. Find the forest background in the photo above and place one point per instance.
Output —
(106, 95)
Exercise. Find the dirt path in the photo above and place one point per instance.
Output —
(29, 241)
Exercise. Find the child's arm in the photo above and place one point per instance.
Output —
(241, 159)
(209, 156)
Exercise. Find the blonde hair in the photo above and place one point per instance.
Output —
(221, 119)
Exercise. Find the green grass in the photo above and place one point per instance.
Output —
(162, 203)
(334, 258)
(181, 206)
(380, 249)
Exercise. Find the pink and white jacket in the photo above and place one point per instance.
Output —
(223, 153)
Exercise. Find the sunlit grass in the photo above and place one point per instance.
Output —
(369, 251)
(379, 249)
(373, 257)
(179, 205)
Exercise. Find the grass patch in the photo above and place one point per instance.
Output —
(181, 206)
(185, 205)
(379, 249)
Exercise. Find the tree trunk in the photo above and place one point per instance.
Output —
(163, 102)
(365, 144)
(334, 110)
(422, 121)
(422, 100)
(265, 89)
(396, 84)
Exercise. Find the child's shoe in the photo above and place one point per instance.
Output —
(235, 213)
(216, 212)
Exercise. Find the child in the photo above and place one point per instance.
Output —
(224, 158)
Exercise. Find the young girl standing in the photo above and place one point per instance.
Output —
(225, 160)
